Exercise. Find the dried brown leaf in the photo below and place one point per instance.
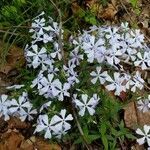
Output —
(11, 141)
(109, 12)
(16, 123)
(15, 59)
(133, 117)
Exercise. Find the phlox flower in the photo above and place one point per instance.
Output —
(38, 26)
(143, 105)
(75, 56)
(4, 106)
(69, 69)
(142, 60)
(92, 47)
(52, 70)
(45, 126)
(58, 124)
(116, 84)
(19, 106)
(98, 75)
(85, 104)
(28, 114)
(60, 90)
(37, 81)
(45, 106)
(145, 135)
(137, 82)
(125, 26)
(47, 84)
(112, 56)
(57, 52)
(138, 38)
(60, 121)
(36, 55)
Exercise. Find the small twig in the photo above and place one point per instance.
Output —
(60, 30)
(121, 144)
(8, 32)
(129, 63)
(26, 27)
(80, 129)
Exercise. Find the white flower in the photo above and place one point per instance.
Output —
(36, 55)
(55, 28)
(57, 52)
(45, 106)
(60, 90)
(138, 38)
(75, 56)
(46, 63)
(126, 43)
(142, 61)
(44, 125)
(61, 122)
(112, 33)
(96, 98)
(143, 105)
(125, 26)
(52, 70)
(137, 82)
(73, 78)
(113, 36)
(116, 84)
(69, 69)
(47, 84)
(19, 106)
(126, 80)
(100, 54)
(145, 134)
(4, 106)
(28, 114)
(46, 38)
(37, 80)
(91, 47)
(86, 104)
(112, 56)
(99, 76)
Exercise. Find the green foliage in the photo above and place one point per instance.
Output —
(135, 6)
(134, 3)
(104, 2)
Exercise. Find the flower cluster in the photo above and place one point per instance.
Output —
(100, 53)
(57, 126)
(115, 46)
(21, 108)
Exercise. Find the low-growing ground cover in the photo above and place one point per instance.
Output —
(84, 87)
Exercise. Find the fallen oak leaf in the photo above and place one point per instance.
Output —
(109, 12)
(14, 59)
(11, 141)
(16, 123)
(133, 117)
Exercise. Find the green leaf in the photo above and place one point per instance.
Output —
(134, 2)
(103, 128)
(91, 138)
(105, 142)
(78, 141)
(130, 136)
